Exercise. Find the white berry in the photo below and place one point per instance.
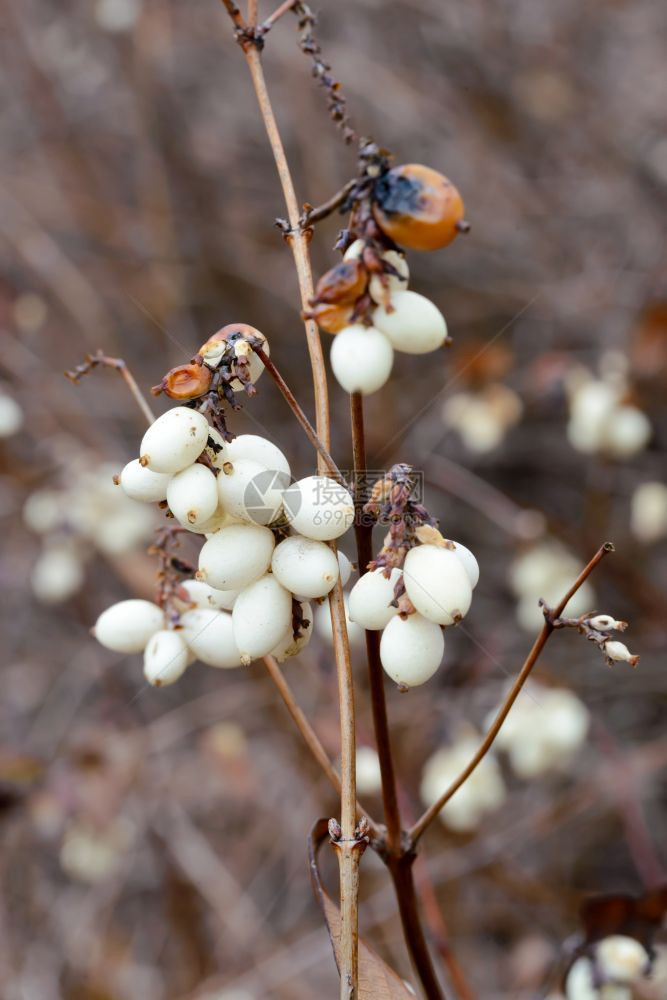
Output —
(203, 596)
(319, 508)
(437, 583)
(175, 440)
(380, 290)
(411, 650)
(127, 626)
(141, 483)
(262, 615)
(252, 492)
(235, 556)
(361, 359)
(345, 567)
(258, 449)
(305, 566)
(192, 495)
(209, 635)
(621, 959)
(165, 658)
(412, 323)
(470, 564)
(371, 597)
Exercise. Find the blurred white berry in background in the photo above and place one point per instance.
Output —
(117, 15)
(482, 793)
(543, 731)
(483, 418)
(617, 963)
(89, 513)
(369, 780)
(648, 512)
(92, 855)
(11, 416)
(601, 420)
(547, 570)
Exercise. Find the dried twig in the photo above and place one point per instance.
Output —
(92, 361)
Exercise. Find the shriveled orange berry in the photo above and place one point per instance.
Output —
(185, 382)
(342, 284)
(418, 207)
(331, 317)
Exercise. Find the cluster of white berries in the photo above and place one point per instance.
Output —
(546, 570)
(439, 581)
(602, 420)
(614, 966)
(544, 730)
(482, 418)
(89, 514)
(481, 793)
(265, 549)
(362, 356)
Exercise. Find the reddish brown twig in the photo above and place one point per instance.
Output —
(92, 361)
(427, 818)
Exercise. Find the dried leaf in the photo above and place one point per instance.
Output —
(377, 981)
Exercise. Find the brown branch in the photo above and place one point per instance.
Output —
(296, 409)
(92, 361)
(363, 529)
(309, 735)
(350, 846)
(427, 818)
(267, 24)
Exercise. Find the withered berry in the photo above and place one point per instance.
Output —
(418, 207)
(185, 382)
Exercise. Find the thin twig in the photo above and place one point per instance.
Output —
(352, 845)
(316, 214)
(427, 818)
(294, 406)
(92, 361)
(310, 737)
(363, 535)
(267, 24)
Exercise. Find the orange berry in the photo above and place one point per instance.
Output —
(342, 284)
(332, 318)
(417, 207)
(185, 382)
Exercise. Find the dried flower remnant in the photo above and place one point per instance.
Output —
(596, 628)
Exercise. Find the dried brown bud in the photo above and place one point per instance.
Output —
(184, 382)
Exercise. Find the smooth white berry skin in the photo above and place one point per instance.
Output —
(470, 564)
(355, 250)
(411, 650)
(413, 324)
(621, 959)
(235, 556)
(258, 449)
(127, 626)
(345, 568)
(379, 291)
(209, 635)
(11, 416)
(251, 492)
(175, 440)
(201, 595)
(371, 597)
(616, 650)
(361, 359)
(319, 507)
(165, 658)
(262, 615)
(144, 484)
(304, 566)
(437, 583)
(288, 645)
(192, 495)
(220, 519)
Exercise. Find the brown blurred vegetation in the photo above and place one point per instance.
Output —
(137, 200)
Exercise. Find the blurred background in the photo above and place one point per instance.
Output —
(153, 842)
